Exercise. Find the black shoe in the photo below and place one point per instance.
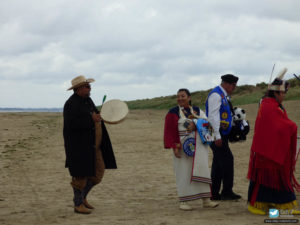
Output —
(216, 197)
(230, 196)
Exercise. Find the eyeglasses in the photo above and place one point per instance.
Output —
(87, 86)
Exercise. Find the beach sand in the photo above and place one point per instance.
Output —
(35, 186)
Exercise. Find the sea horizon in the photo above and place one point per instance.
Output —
(16, 109)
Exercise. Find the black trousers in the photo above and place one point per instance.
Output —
(222, 170)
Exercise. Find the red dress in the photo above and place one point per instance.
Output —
(273, 152)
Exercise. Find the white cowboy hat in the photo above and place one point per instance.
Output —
(79, 81)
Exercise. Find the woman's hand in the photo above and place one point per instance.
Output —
(191, 126)
(177, 150)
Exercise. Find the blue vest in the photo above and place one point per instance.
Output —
(225, 112)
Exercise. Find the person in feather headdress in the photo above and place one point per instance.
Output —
(273, 154)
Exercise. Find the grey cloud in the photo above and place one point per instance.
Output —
(139, 49)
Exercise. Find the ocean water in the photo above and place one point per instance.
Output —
(31, 109)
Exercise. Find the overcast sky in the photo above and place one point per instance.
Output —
(138, 49)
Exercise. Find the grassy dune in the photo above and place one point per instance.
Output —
(244, 94)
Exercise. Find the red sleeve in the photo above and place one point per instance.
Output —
(171, 137)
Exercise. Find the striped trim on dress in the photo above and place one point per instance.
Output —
(201, 179)
(184, 132)
(195, 197)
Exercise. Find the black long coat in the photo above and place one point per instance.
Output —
(79, 137)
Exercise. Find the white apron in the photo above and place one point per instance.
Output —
(192, 173)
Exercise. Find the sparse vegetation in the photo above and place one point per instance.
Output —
(244, 94)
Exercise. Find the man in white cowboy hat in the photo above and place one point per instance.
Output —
(88, 147)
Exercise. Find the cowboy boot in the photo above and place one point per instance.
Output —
(86, 190)
(82, 209)
(78, 202)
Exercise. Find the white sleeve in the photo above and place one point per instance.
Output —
(214, 104)
(202, 115)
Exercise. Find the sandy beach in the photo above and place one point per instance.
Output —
(35, 189)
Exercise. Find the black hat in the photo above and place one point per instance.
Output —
(229, 78)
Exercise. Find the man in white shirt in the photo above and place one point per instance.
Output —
(219, 113)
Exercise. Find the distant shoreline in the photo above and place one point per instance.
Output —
(4, 110)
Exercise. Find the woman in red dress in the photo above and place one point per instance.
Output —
(273, 155)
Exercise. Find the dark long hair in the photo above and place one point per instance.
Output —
(187, 92)
(271, 93)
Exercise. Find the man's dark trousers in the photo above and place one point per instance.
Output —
(222, 168)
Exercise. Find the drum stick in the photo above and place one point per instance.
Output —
(103, 100)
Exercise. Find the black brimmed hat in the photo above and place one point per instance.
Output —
(229, 78)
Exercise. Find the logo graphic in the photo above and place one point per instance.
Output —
(189, 146)
(224, 124)
(273, 213)
(224, 115)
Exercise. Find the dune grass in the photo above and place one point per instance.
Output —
(244, 94)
